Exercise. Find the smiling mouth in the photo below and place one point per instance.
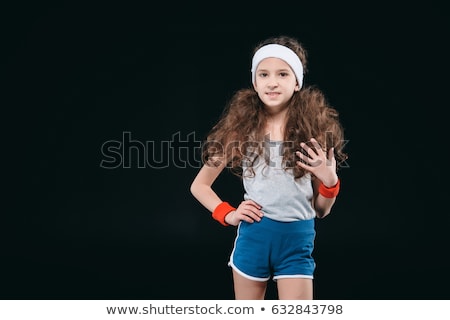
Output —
(272, 94)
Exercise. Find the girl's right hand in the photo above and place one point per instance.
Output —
(248, 211)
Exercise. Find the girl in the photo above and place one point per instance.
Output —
(285, 142)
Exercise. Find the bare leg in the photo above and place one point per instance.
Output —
(246, 289)
(295, 289)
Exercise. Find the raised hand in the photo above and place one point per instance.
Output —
(319, 163)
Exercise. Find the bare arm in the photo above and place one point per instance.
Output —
(321, 205)
(201, 186)
(201, 189)
(323, 166)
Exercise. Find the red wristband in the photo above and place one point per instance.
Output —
(329, 192)
(221, 211)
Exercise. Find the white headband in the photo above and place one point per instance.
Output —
(281, 52)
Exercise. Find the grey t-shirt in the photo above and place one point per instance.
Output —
(281, 196)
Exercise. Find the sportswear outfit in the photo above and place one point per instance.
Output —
(281, 244)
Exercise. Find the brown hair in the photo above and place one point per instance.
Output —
(240, 129)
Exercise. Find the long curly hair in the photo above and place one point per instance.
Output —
(239, 134)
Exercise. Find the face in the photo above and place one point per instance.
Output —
(275, 82)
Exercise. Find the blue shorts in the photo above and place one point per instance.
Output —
(273, 248)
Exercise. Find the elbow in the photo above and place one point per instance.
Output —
(195, 189)
(323, 206)
(320, 213)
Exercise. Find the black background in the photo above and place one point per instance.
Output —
(76, 75)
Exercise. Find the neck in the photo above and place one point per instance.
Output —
(276, 121)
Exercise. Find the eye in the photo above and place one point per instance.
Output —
(262, 74)
(284, 74)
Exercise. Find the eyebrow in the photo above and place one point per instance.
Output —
(265, 70)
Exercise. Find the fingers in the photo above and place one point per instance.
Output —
(252, 203)
(314, 150)
(314, 156)
(331, 159)
(309, 150)
(331, 154)
(249, 211)
(308, 161)
(304, 164)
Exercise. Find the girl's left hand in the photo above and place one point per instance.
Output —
(318, 163)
